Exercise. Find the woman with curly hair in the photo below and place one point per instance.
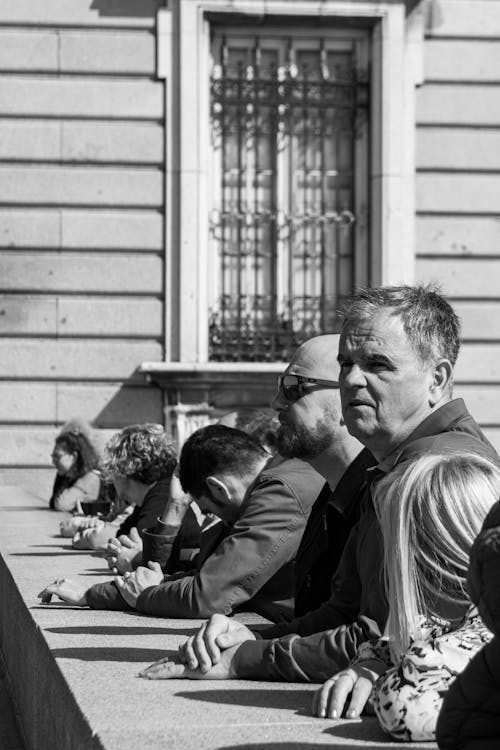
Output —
(140, 461)
(430, 510)
(76, 460)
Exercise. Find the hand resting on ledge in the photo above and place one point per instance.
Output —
(129, 585)
(67, 590)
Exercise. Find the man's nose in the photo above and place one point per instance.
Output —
(278, 401)
(354, 377)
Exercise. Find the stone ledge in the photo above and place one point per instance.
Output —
(73, 671)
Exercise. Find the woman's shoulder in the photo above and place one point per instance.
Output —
(91, 479)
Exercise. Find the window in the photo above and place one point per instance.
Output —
(289, 126)
(282, 212)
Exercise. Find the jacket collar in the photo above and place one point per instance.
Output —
(441, 420)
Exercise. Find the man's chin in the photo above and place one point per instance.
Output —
(288, 448)
(285, 450)
(360, 429)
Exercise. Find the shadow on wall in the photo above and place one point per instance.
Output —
(135, 401)
(127, 8)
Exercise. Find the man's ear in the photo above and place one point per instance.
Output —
(218, 489)
(441, 381)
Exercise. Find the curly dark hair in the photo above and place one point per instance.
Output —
(142, 452)
(86, 458)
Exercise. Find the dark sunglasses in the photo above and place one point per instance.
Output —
(292, 386)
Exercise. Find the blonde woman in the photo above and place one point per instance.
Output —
(430, 511)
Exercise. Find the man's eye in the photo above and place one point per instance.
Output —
(377, 365)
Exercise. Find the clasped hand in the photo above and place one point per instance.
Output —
(208, 655)
(130, 585)
(123, 551)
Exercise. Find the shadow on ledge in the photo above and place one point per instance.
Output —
(295, 700)
(120, 630)
(63, 553)
(366, 729)
(275, 746)
(25, 507)
(112, 654)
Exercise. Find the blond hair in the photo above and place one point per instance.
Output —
(430, 511)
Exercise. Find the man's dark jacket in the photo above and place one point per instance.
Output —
(332, 518)
(322, 642)
(470, 715)
(253, 566)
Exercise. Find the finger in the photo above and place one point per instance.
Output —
(125, 541)
(216, 637)
(166, 671)
(320, 699)
(204, 657)
(134, 534)
(156, 567)
(189, 656)
(337, 696)
(160, 661)
(46, 594)
(360, 694)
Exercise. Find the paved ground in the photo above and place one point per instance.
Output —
(9, 734)
(75, 670)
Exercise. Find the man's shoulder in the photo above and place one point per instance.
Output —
(449, 442)
(291, 471)
(291, 477)
(449, 428)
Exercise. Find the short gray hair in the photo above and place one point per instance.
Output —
(429, 321)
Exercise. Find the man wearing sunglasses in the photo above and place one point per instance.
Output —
(312, 428)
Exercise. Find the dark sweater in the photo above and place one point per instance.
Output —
(470, 715)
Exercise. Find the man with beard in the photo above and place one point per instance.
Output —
(312, 428)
